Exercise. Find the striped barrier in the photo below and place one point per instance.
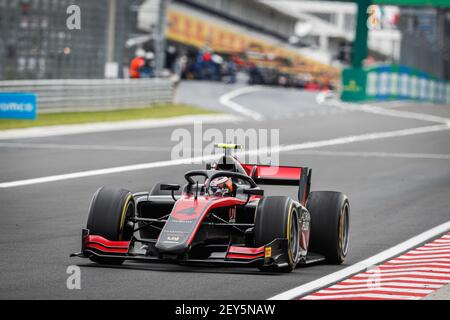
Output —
(393, 82)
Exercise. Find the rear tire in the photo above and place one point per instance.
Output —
(108, 214)
(277, 217)
(330, 221)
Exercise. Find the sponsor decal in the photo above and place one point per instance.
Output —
(267, 252)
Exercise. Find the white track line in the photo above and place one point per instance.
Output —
(226, 100)
(48, 131)
(120, 148)
(365, 137)
(364, 154)
(388, 112)
(90, 173)
(56, 146)
(283, 148)
(363, 265)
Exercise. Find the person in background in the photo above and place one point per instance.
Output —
(180, 66)
(254, 76)
(171, 58)
(146, 71)
(216, 67)
(231, 71)
(206, 66)
(183, 66)
(137, 63)
(197, 66)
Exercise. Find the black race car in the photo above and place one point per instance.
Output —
(220, 217)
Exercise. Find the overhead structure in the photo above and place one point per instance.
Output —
(360, 44)
(418, 3)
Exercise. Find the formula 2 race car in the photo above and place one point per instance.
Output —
(220, 217)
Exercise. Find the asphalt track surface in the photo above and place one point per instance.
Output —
(398, 187)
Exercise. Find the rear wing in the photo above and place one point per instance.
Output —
(282, 175)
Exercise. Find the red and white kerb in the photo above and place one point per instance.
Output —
(410, 276)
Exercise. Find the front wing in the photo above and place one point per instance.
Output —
(271, 255)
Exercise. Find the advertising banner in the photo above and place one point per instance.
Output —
(17, 106)
(393, 82)
(204, 34)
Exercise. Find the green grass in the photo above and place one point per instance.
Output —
(154, 112)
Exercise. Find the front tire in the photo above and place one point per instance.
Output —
(108, 214)
(277, 217)
(330, 221)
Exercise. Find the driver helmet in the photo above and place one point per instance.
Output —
(221, 186)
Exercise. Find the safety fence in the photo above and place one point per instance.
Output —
(88, 95)
(393, 82)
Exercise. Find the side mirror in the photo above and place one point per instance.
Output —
(254, 191)
(169, 187)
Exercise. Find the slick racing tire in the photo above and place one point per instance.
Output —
(330, 221)
(277, 217)
(108, 215)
